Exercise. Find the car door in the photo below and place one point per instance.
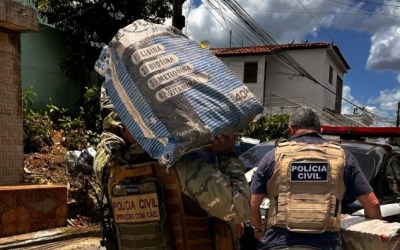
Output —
(388, 185)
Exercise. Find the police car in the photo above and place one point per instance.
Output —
(379, 162)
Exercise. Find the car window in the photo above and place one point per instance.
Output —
(252, 157)
(369, 159)
(367, 163)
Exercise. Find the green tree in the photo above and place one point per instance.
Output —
(87, 25)
(277, 126)
(268, 127)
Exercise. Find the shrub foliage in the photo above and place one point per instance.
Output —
(39, 126)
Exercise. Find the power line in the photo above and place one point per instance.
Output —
(189, 9)
(249, 36)
(383, 4)
(363, 9)
(326, 31)
(242, 14)
(80, 12)
(366, 12)
(226, 28)
(263, 36)
(221, 12)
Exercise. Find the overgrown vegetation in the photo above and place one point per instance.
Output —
(79, 131)
(268, 127)
(37, 127)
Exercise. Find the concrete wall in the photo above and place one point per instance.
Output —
(41, 55)
(14, 19)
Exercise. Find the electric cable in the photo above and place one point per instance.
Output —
(355, 63)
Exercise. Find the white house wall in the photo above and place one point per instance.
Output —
(236, 65)
(317, 62)
(281, 82)
(330, 97)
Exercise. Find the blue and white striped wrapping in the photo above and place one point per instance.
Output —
(172, 95)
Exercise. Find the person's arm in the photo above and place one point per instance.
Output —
(217, 184)
(255, 217)
(371, 205)
(259, 191)
(223, 194)
(102, 156)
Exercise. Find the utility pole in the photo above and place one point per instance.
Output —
(398, 115)
(230, 39)
(178, 21)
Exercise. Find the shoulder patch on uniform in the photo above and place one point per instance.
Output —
(309, 171)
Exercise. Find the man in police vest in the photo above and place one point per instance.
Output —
(305, 179)
(212, 179)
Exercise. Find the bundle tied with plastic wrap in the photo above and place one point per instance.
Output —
(172, 95)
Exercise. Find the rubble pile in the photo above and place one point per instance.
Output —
(55, 165)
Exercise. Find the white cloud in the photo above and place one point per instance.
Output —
(387, 99)
(382, 22)
(348, 108)
(381, 108)
(385, 49)
(283, 20)
(364, 17)
(202, 24)
(387, 103)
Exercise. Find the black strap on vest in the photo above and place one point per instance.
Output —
(108, 233)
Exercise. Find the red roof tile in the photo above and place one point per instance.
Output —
(273, 49)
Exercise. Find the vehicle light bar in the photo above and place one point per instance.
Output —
(361, 131)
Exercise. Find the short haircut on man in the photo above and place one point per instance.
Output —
(305, 118)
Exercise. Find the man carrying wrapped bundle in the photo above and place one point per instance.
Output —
(178, 105)
(212, 179)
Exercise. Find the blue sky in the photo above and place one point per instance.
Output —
(366, 32)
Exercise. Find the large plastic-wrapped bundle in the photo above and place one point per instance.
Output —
(172, 95)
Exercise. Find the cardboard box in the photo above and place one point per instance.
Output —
(359, 233)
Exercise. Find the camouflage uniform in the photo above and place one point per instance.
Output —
(217, 184)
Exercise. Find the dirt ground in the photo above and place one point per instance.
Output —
(49, 167)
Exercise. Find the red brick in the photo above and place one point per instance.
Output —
(17, 17)
(29, 208)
